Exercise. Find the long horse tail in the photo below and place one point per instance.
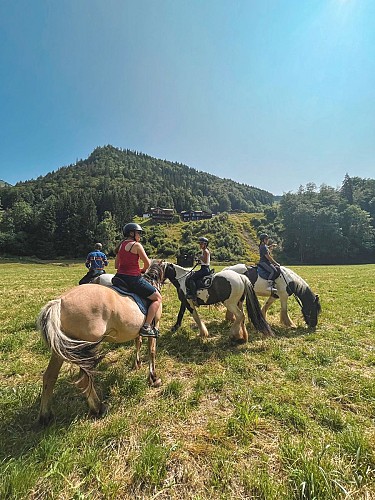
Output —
(82, 353)
(253, 309)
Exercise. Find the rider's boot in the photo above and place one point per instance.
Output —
(191, 290)
(271, 286)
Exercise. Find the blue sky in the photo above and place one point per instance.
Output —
(271, 93)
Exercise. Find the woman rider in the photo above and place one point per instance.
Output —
(204, 261)
(130, 251)
(267, 262)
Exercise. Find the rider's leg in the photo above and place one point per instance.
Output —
(191, 288)
(146, 329)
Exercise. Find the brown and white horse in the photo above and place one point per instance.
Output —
(74, 325)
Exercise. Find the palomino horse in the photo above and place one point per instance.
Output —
(227, 287)
(288, 283)
(74, 325)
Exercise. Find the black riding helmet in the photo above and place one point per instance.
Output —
(263, 236)
(203, 240)
(131, 226)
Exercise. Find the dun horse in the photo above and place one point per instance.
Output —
(287, 284)
(227, 287)
(74, 325)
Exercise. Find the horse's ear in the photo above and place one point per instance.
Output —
(317, 297)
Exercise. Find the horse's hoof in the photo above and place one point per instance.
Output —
(45, 420)
(157, 383)
(175, 328)
(103, 411)
(154, 381)
(239, 341)
(137, 366)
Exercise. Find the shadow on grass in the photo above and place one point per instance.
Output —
(18, 427)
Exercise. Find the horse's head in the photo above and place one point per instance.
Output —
(156, 272)
(170, 273)
(311, 311)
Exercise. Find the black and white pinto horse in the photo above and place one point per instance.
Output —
(287, 284)
(227, 287)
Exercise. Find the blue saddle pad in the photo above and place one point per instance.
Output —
(141, 303)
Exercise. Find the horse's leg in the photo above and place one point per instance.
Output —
(243, 330)
(229, 316)
(199, 322)
(86, 385)
(180, 316)
(267, 305)
(49, 380)
(153, 380)
(238, 330)
(138, 345)
(284, 316)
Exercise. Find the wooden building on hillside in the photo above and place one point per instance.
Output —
(193, 215)
(162, 214)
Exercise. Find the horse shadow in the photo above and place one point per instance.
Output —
(23, 421)
(185, 345)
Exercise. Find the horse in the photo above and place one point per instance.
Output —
(74, 325)
(227, 287)
(287, 284)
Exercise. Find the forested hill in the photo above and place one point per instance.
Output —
(126, 182)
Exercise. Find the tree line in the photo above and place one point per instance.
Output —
(325, 225)
(63, 213)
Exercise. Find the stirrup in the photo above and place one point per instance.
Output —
(149, 332)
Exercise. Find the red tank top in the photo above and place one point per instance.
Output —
(128, 262)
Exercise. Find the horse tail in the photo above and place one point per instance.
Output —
(253, 308)
(82, 353)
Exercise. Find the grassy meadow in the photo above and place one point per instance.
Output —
(276, 419)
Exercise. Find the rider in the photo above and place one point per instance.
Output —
(95, 263)
(204, 260)
(129, 252)
(267, 262)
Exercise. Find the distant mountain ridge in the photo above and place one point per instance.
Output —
(63, 212)
(151, 182)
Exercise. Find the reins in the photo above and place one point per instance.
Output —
(186, 274)
(298, 300)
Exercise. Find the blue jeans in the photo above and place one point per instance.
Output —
(270, 268)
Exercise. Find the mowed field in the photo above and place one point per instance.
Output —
(285, 418)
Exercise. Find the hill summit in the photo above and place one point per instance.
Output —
(63, 212)
(148, 182)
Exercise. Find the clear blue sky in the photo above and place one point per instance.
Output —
(271, 93)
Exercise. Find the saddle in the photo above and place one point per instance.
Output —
(120, 287)
(206, 281)
(254, 271)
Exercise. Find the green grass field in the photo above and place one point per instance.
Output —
(284, 418)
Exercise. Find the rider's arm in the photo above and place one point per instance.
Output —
(205, 256)
(143, 257)
(87, 263)
(117, 250)
(271, 259)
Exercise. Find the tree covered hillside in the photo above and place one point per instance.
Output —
(61, 213)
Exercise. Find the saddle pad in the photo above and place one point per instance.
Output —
(141, 303)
